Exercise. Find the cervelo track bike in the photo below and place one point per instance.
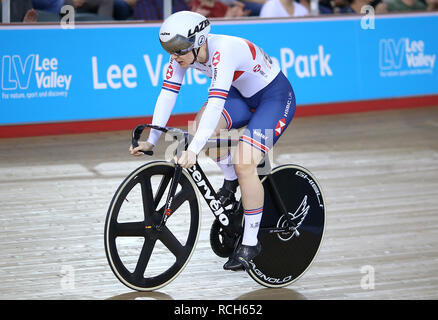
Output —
(153, 221)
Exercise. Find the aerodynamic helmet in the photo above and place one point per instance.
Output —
(184, 31)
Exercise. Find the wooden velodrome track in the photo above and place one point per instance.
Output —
(379, 172)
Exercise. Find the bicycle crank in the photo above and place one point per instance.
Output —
(223, 240)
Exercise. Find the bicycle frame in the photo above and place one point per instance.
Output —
(278, 202)
(208, 193)
(205, 188)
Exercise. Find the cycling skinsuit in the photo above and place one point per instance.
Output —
(247, 88)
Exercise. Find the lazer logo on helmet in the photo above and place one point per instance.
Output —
(201, 26)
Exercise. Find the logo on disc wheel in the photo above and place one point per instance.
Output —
(297, 218)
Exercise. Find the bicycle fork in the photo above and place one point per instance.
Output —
(167, 209)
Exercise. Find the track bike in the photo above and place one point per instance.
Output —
(153, 221)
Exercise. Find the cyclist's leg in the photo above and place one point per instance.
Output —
(247, 157)
(275, 110)
(235, 114)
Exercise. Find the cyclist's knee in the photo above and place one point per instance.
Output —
(244, 170)
(246, 159)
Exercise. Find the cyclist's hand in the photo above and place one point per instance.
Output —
(187, 159)
(144, 146)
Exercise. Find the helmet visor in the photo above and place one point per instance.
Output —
(178, 45)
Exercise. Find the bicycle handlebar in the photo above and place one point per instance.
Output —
(211, 143)
(136, 134)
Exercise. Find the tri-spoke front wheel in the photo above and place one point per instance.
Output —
(142, 256)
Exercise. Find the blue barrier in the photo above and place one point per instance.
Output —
(92, 72)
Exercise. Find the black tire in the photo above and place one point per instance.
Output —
(162, 254)
(285, 257)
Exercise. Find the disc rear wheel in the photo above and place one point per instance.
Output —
(286, 256)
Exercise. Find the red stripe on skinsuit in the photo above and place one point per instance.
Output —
(252, 49)
(237, 74)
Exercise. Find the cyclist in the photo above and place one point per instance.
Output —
(247, 89)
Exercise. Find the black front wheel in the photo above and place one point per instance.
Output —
(142, 256)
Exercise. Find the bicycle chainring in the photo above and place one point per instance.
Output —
(223, 240)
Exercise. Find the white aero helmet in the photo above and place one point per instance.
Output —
(184, 31)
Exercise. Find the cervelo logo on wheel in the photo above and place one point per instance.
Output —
(169, 72)
(216, 58)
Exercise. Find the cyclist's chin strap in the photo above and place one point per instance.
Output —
(195, 54)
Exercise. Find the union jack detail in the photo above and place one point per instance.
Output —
(171, 86)
(218, 93)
